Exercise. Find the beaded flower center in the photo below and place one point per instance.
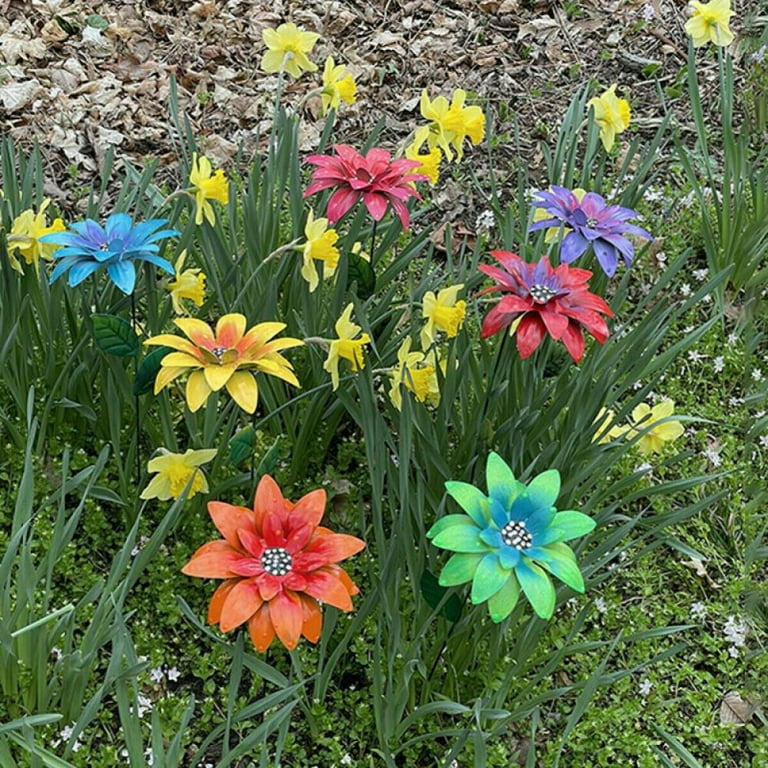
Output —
(591, 222)
(515, 534)
(218, 352)
(276, 561)
(541, 293)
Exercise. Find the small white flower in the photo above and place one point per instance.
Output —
(707, 298)
(701, 274)
(661, 257)
(484, 222)
(718, 364)
(735, 631)
(144, 705)
(733, 337)
(637, 385)
(76, 746)
(685, 289)
(734, 401)
(645, 687)
(698, 610)
(66, 732)
(173, 674)
(56, 653)
(149, 755)
(764, 441)
(712, 454)
(695, 356)
(733, 651)
(757, 374)
(758, 56)
(156, 675)
(347, 759)
(600, 605)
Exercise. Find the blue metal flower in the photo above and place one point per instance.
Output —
(589, 221)
(89, 246)
(510, 540)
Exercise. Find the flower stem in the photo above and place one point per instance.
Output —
(373, 243)
(136, 398)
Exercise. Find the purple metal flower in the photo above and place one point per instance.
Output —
(590, 222)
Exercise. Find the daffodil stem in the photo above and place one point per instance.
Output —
(253, 453)
(373, 243)
(136, 397)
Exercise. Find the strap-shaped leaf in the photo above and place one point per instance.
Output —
(433, 593)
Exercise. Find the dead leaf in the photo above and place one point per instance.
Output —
(17, 95)
(736, 710)
(698, 566)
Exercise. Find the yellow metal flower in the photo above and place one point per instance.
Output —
(320, 246)
(346, 347)
(612, 115)
(646, 420)
(337, 86)
(207, 186)
(450, 124)
(189, 284)
(174, 471)
(709, 23)
(442, 313)
(418, 372)
(430, 163)
(28, 227)
(288, 48)
(229, 358)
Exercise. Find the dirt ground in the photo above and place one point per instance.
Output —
(78, 78)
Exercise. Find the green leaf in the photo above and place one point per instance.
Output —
(433, 593)
(241, 445)
(148, 369)
(115, 336)
(269, 460)
(360, 271)
(96, 21)
(459, 569)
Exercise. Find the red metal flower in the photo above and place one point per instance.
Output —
(278, 562)
(544, 300)
(376, 177)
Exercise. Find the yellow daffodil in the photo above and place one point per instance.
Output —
(337, 86)
(207, 186)
(189, 284)
(320, 246)
(442, 313)
(430, 163)
(611, 114)
(288, 48)
(346, 346)
(231, 357)
(709, 23)
(418, 372)
(23, 239)
(450, 124)
(646, 420)
(605, 417)
(174, 471)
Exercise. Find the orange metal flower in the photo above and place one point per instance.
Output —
(278, 562)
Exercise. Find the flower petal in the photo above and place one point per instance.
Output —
(462, 537)
(472, 500)
(197, 391)
(502, 484)
(218, 598)
(489, 578)
(260, 629)
(559, 560)
(504, 601)
(326, 587)
(244, 390)
(242, 601)
(566, 526)
(459, 569)
(287, 618)
(214, 560)
(537, 587)
(313, 619)
(228, 518)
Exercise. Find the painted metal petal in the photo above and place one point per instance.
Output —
(489, 578)
(123, 274)
(472, 500)
(537, 587)
(502, 484)
(460, 538)
(459, 569)
(447, 522)
(509, 557)
(504, 601)
(566, 526)
(560, 561)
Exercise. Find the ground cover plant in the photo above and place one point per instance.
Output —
(292, 476)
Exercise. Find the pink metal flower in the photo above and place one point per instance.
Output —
(376, 177)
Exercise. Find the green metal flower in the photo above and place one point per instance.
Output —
(510, 540)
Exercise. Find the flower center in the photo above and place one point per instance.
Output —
(541, 293)
(591, 222)
(218, 353)
(515, 534)
(276, 561)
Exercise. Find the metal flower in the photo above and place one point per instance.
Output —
(541, 300)
(592, 223)
(375, 177)
(510, 540)
(278, 562)
(116, 245)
